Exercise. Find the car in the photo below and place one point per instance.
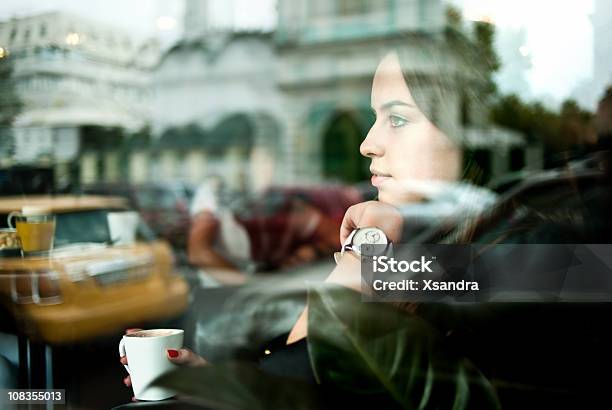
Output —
(88, 286)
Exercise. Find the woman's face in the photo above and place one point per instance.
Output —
(405, 147)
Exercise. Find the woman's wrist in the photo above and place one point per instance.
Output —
(347, 272)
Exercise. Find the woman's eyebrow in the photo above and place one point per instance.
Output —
(386, 106)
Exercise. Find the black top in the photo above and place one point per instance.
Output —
(290, 361)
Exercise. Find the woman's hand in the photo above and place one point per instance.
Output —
(181, 357)
(346, 273)
(373, 214)
(185, 357)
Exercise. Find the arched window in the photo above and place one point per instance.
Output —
(341, 139)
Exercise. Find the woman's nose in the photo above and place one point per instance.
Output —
(371, 146)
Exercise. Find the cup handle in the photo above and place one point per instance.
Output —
(10, 218)
(122, 353)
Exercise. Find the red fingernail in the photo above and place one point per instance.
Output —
(173, 353)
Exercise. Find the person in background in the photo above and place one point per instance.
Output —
(229, 243)
(217, 244)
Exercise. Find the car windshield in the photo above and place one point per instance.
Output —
(87, 227)
(82, 227)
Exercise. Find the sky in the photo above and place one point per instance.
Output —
(559, 35)
(559, 39)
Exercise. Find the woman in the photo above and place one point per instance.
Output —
(406, 150)
(409, 154)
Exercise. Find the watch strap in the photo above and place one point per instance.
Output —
(348, 244)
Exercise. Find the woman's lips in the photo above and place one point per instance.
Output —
(378, 180)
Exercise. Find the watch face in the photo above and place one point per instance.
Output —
(371, 236)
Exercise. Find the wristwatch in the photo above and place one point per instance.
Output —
(360, 238)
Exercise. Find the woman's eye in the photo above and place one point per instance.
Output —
(397, 121)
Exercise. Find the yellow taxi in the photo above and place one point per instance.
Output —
(88, 286)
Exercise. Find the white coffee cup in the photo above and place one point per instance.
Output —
(147, 359)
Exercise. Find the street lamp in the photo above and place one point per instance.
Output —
(165, 23)
(73, 39)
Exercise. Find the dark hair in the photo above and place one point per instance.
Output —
(449, 84)
(442, 72)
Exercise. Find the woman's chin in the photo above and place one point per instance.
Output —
(388, 198)
(398, 199)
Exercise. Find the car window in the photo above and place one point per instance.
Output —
(78, 227)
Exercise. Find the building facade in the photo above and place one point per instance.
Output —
(70, 72)
(311, 81)
(284, 107)
(224, 91)
(602, 47)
